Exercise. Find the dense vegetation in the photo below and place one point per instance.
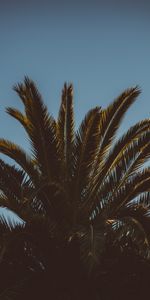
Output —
(84, 200)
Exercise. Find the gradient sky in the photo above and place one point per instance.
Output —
(102, 47)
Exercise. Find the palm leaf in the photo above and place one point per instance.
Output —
(128, 161)
(20, 157)
(142, 199)
(92, 243)
(9, 223)
(129, 228)
(133, 187)
(11, 180)
(110, 121)
(109, 201)
(130, 142)
(42, 131)
(69, 131)
(16, 114)
(86, 148)
(61, 122)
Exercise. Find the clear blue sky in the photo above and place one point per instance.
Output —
(102, 47)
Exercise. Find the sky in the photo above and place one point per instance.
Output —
(102, 47)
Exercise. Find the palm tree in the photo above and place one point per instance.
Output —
(76, 191)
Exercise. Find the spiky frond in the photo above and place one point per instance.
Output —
(61, 121)
(118, 168)
(142, 199)
(42, 131)
(129, 232)
(16, 114)
(10, 177)
(86, 148)
(110, 121)
(92, 244)
(128, 144)
(16, 153)
(132, 188)
(69, 131)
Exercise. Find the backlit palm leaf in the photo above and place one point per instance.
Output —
(16, 114)
(62, 121)
(16, 153)
(42, 131)
(92, 244)
(129, 226)
(110, 121)
(86, 148)
(136, 136)
(69, 131)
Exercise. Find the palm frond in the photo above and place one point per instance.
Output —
(142, 157)
(133, 187)
(110, 121)
(129, 232)
(42, 131)
(92, 244)
(16, 114)
(69, 131)
(20, 89)
(61, 121)
(8, 221)
(11, 180)
(20, 157)
(128, 161)
(142, 199)
(128, 145)
(111, 199)
(86, 148)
